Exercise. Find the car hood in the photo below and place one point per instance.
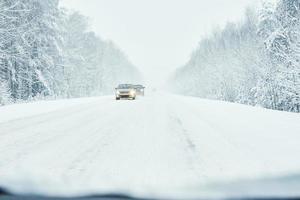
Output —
(124, 90)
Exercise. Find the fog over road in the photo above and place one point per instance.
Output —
(159, 145)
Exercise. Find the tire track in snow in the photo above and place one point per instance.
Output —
(192, 153)
(218, 135)
(79, 152)
(94, 146)
(43, 137)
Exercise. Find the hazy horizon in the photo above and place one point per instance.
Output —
(158, 36)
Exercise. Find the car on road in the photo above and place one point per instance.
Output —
(140, 90)
(125, 91)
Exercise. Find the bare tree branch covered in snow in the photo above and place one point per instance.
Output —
(46, 51)
(254, 62)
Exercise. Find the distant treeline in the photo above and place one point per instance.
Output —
(254, 62)
(47, 51)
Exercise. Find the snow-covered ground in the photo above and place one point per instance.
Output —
(18, 111)
(158, 146)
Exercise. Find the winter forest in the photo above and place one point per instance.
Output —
(254, 62)
(49, 52)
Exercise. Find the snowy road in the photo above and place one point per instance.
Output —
(160, 145)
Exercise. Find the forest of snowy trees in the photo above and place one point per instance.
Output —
(47, 51)
(255, 62)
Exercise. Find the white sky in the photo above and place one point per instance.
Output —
(158, 35)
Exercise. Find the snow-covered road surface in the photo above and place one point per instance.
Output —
(159, 146)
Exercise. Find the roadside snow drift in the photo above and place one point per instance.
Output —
(158, 146)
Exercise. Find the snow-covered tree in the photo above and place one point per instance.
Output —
(30, 47)
(255, 61)
(92, 66)
(282, 42)
(47, 51)
(4, 94)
